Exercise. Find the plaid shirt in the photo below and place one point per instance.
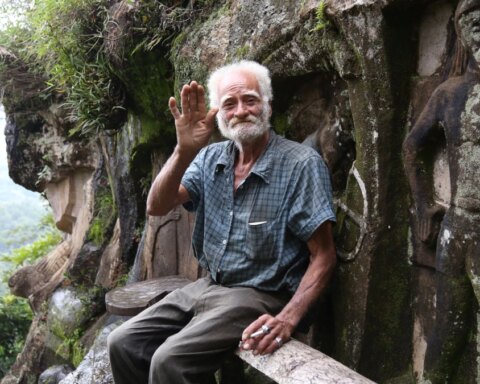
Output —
(257, 235)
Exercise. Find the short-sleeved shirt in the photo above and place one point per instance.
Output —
(256, 236)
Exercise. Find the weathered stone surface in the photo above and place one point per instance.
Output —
(67, 199)
(55, 374)
(67, 312)
(39, 150)
(110, 262)
(126, 184)
(134, 298)
(295, 362)
(95, 368)
(433, 37)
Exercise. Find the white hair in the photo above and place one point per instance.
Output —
(261, 73)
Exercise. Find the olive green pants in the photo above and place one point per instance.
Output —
(184, 337)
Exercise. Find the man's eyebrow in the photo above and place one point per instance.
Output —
(225, 98)
(248, 93)
(252, 93)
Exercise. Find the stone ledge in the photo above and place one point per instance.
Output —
(134, 298)
(297, 363)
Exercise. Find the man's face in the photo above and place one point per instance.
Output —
(243, 115)
(469, 24)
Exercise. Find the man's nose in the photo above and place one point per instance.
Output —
(241, 111)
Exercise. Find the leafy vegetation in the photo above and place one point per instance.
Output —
(322, 21)
(15, 313)
(63, 41)
(74, 45)
(15, 319)
(104, 213)
(160, 22)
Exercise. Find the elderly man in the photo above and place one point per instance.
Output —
(263, 231)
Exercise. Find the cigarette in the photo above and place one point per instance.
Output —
(257, 333)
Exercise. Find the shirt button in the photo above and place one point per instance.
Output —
(224, 241)
(231, 213)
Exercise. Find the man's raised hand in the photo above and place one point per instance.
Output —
(194, 125)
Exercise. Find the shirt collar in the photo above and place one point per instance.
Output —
(262, 167)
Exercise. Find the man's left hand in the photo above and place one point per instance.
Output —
(265, 335)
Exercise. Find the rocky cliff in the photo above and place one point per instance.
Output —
(350, 78)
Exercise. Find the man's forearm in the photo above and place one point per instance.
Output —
(165, 192)
(281, 327)
(310, 289)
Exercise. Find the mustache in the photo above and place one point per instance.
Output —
(248, 119)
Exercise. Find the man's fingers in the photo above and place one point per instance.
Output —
(172, 105)
(201, 99)
(193, 97)
(184, 96)
(255, 326)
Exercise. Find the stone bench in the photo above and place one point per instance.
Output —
(135, 297)
(295, 362)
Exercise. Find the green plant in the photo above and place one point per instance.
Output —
(63, 41)
(104, 212)
(121, 280)
(322, 21)
(71, 347)
(44, 175)
(159, 22)
(15, 319)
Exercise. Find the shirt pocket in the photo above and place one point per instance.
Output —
(260, 240)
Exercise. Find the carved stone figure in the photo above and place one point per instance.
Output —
(37, 281)
(451, 119)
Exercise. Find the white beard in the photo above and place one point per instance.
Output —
(244, 131)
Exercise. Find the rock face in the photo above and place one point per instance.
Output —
(95, 368)
(54, 375)
(351, 78)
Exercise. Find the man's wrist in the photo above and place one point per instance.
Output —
(288, 321)
(185, 155)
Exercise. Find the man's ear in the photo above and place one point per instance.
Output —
(270, 109)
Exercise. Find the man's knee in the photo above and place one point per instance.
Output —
(164, 363)
(117, 340)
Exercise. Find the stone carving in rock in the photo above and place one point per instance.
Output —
(167, 248)
(110, 263)
(71, 203)
(34, 281)
(450, 122)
